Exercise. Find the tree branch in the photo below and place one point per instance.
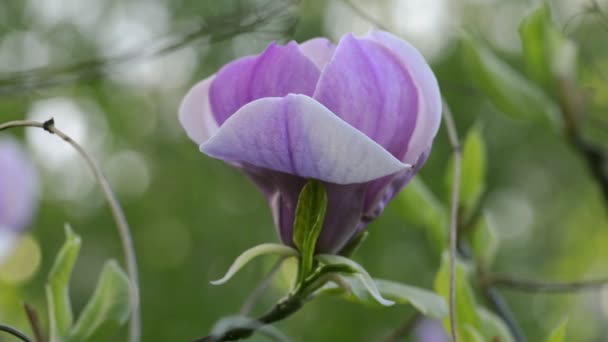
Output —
(283, 309)
(117, 212)
(529, 285)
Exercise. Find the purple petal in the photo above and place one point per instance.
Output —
(368, 86)
(429, 101)
(299, 136)
(383, 190)
(319, 51)
(278, 71)
(195, 113)
(18, 186)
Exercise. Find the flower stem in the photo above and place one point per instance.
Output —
(284, 308)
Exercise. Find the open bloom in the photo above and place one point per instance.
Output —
(360, 116)
(18, 193)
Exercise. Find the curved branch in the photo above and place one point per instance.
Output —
(15, 332)
(117, 212)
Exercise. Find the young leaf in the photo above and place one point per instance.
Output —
(510, 92)
(473, 174)
(465, 301)
(107, 309)
(252, 253)
(419, 206)
(58, 298)
(358, 272)
(310, 214)
(485, 241)
(559, 333)
(547, 53)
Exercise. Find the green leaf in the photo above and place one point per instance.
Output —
(484, 241)
(252, 253)
(310, 214)
(420, 206)
(547, 53)
(57, 287)
(492, 327)
(428, 303)
(510, 92)
(358, 272)
(108, 308)
(466, 312)
(559, 333)
(425, 301)
(473, 172)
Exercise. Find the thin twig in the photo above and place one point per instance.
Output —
(117, 212)
(404, 329)
(531, 285)
(32, 317)
(457, 154)
(361, 13)
(217, 28)
(260, 289)
(15, 332)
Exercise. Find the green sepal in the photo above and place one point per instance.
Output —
(252, 253)
(309, 217)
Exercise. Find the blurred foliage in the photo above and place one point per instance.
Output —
(112, 73)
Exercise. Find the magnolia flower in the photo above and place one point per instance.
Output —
(360, 116)
(18, 193)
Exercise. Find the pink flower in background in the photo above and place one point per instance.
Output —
(18, 193)
(360, 116)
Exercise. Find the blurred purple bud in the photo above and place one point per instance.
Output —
(430, 330)
(18, 193)
(360, 116)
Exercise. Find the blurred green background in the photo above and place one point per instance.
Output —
(191, 215)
